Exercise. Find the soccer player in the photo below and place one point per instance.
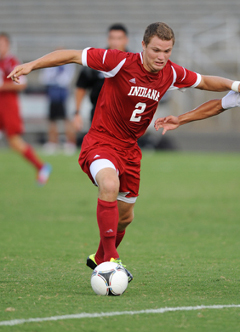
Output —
(211, 108)
(58, 81)
(90, 79)
(134, 84)
(10, 119)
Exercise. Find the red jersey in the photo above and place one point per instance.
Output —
(8, 99)
(130, 94)
(10, 119)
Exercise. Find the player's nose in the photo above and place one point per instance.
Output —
(161, 56)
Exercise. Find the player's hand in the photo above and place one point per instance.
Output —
(77, 122)
(168, 123)
(23, 69)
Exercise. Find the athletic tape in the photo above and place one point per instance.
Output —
(235, 85)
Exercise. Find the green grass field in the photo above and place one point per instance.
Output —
(182, 247)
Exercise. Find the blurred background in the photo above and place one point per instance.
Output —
(207, 41)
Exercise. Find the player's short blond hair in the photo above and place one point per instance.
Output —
(159, 29)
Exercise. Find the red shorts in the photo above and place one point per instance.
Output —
(10, 119)
(125, 158)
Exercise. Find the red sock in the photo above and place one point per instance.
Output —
(99, 257)
(30, 155)
(120, 235)
(107, 217)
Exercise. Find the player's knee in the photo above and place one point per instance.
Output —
(17, 143)
(109, 187)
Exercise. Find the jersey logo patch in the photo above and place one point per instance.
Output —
(97, 155)
(133, 80)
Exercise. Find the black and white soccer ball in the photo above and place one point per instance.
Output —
(109, 278)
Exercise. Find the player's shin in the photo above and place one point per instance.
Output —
(99, 256)
(30, 156)
(107, 217)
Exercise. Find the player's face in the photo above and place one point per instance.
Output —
(118, 40)
(156, 54)
(4, 47)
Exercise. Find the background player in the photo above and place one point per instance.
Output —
(10, 119)
(58, 81)
(127, 102)
(92, 80)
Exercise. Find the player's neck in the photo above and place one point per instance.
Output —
(147, 68)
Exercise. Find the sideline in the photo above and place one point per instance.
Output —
(114, 313)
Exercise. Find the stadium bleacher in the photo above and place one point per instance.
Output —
(39, 26)
(207, 36)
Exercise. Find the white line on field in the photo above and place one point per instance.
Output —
(114, 313)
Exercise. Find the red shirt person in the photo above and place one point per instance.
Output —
(10, 119)
(134, 84)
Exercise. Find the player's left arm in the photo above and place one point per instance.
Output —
(204, 111)
(216, 83)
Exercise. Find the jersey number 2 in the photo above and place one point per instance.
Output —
(140, 108)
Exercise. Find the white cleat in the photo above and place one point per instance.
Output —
(43, 174)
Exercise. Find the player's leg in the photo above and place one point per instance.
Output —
(108, 184)
(53, 117)
(50, 147)
(128, 193)
(126, 215)
(107, 213)
(20, 146)
(70, 145)
(53, 132)
(125, 218)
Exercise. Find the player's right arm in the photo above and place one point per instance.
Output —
(53, 59)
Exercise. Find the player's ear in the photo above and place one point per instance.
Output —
(143, 45)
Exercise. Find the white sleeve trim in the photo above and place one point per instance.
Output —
(106, 74)
(184, 73)
(172, 87)
(104, 56)
(114, 71)
(84, 56)
(199, 78)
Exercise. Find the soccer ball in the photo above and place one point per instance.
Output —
(109, 278)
